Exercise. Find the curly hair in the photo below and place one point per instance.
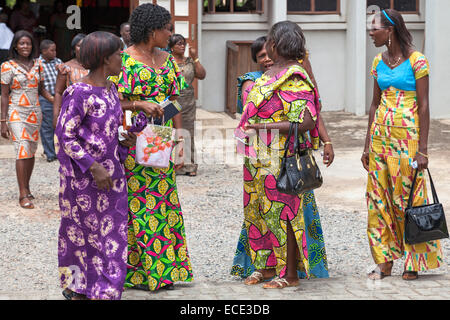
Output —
(145, 19)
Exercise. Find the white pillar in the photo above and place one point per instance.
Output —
(437, 48)
(277, 11)
(355, 77)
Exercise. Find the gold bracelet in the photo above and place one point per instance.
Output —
(196, 60)
(423, 154)
(327, 143)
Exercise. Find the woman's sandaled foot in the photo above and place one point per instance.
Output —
(30, 196)
(192, 174)
(281, 283)
(71, 295)
(410, 275)
(259, 276)
(26, 203)
(380, 273)
(169, 287)
(255, 278)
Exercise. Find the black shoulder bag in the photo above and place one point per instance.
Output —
(299, 173)
(425, 223)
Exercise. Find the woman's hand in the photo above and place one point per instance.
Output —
(422, 162)
(101, 176)
(328, 155)
(5, 130)
(192, 53)
(365, 160)
(151, 109)
(130, 140)
(251, 129)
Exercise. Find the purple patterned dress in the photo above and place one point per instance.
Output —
(92, 250)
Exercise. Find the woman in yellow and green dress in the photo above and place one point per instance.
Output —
(157, 251)
(397, 137)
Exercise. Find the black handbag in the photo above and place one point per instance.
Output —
(424, 223)
(299, 173)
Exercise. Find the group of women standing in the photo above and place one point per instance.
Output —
(122, 223)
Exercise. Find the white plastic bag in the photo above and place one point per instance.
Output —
(154, 146)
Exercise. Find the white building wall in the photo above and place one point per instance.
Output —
(437, 50)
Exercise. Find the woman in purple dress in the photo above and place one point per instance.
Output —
(92, 249)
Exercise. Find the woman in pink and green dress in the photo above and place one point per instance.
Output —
(274, 221)
(157, 249)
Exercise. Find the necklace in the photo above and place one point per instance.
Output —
(145, 53)
(394, 64)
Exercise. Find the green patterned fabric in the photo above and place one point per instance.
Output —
(157, 250)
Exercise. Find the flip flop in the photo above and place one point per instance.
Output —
(410, 275)
(255, 278)
(69, 295)
(280, 283)
(26, 205)
(381, 274)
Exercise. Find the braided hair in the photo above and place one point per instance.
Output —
(145, 19)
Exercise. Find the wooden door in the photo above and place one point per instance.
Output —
(239, 62)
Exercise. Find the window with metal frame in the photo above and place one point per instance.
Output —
(403, 6)
(313, 6)
(233, 6)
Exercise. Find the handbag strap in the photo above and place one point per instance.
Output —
(288, 139)
(433, 190)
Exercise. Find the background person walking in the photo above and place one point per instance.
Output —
(22, 80)
(50, 63)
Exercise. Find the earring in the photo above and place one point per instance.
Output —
(389, 42)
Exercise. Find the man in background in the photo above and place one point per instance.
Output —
(50, 63)
(125, 34)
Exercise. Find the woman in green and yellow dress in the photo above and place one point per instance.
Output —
(157, 251)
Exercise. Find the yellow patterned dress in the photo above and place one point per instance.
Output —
(157, 250)
(393, 146)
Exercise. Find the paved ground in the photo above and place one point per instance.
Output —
(213, 213)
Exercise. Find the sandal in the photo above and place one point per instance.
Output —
(378, 274)
(70, 295)
(192, 174)
(280, 283)
(169, 287)
(410, 275)
(30, 196)
(26, 205)
(255, 278)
